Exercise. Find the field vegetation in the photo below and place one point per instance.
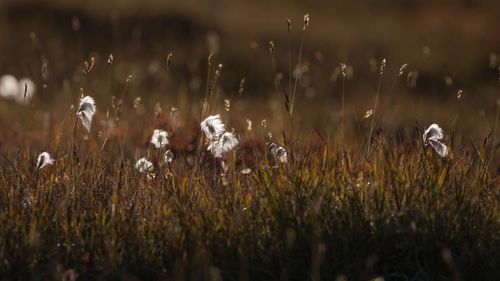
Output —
(199, 165)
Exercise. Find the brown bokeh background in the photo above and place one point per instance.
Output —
(450, 45)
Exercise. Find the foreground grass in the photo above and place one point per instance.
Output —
(401, 213)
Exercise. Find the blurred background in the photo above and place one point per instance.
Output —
(65, 45)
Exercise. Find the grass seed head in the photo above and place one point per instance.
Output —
(402, 69)
(249, 124)
(110, 59)
(368, 114)
(271, 48)
(242, 86)
(169, 59)
(306, 22)
(382, 66)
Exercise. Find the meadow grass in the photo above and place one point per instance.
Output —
(400, 213)
(357, 204)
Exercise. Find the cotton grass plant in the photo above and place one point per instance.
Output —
(144, 165)
(86, 111)
(433, 136)
(159, 138)
(44, 160)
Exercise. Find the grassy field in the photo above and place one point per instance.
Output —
(320, 172)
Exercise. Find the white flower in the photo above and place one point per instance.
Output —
(86, 110)
(143, 165)
(9, 87)
(225, 144)
(213, 127)
(159, 138)
(433, 136)
(26, 92)
(169, 157)
(44, 160)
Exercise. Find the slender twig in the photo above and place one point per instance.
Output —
(342, 116)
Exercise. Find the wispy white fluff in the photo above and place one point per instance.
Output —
(433, 137)
(143, 165)
(433, 132)
(86, 110)
(213, 127)
(282, 155)
(169, 157)
(159, 138)
(9, 87)
(44, 160)
(278, 153)
(27, 89)
(226, 143)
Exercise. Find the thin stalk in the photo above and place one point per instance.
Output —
(299, 60)
(207, 88)
(493, 144)
(343, 109)
(379, 88)
(289, 55)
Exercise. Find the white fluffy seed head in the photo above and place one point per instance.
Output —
(433, 132)
(226, 143)
(86, 111)
(213, 127)
(143, 165)
(44, 160)
(439, 147)
(169, 157)
(278, 152)
(281, 155)
(159, 138)
(433, 137)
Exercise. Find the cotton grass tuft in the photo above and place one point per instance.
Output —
(225, 144)
(144, 165)
(213, 127)
(159, 138)
(169, 156)
(433, 137)
(44, 160)
(86, 111)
